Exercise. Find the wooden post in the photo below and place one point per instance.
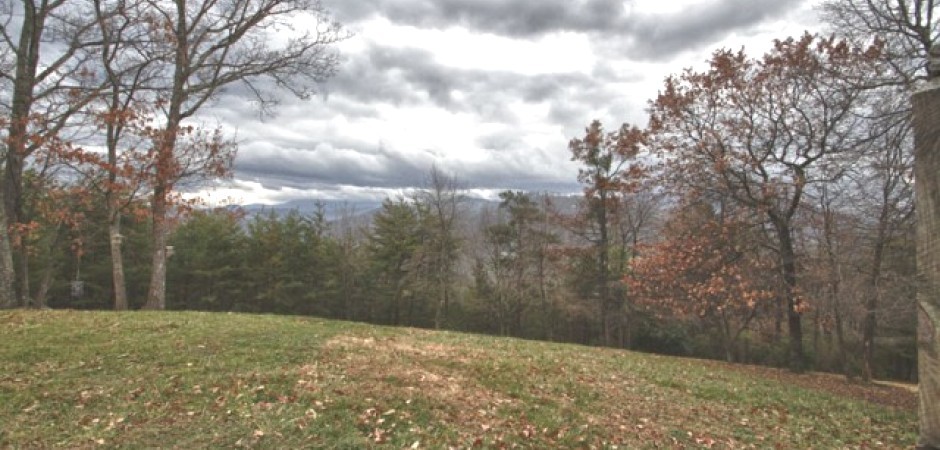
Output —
(926, 110)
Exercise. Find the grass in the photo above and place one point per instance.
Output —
(199, 380)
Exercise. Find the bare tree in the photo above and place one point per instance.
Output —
(493, 271)
(907, 28)
(442, 199)
(888, 168)
(547, 279)
(208, 45)
(638, 210)
(129, 77)
(832, 240)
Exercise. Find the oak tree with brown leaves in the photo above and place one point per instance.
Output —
(758, 131)
(706, 268)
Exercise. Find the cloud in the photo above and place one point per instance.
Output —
(528, 169)
(499, 168)
(638, 34)
(413, 76)
(328, 165)
(520, 18)
(488, 90)
(495, 129)
(658, 37)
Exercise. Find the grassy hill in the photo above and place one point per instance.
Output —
(197, 380)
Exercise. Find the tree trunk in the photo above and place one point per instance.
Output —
(817, 329)
(25, 300)
(871, 304)
(42, 295)
(443, 280)
(156, 295)
(842, 350)
(603, 269)
(117, 263)
(114, 209)
(727, 343)
(835, 295)
(797, 360)
(45, 283)
(7, 274)
(165, 170)
(27, 60)
(395, 316)
(547, 324)
(868, 334)
(926, 112)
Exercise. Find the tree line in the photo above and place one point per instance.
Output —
(673, 275)
(99, 104)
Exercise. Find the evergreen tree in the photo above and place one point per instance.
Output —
(394, 244)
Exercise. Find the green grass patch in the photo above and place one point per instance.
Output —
(199, 380)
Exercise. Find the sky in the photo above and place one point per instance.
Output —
(489, 91)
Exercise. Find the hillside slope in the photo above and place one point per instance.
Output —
(198, 380)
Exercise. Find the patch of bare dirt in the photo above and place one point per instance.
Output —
(388, 365)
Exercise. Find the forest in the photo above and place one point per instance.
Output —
(763, 215)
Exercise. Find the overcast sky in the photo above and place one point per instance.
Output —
(490, 91)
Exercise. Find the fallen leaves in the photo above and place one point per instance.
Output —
(384, 388)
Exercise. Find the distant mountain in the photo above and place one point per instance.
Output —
(333, 209)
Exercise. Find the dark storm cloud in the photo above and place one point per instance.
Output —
(511, 18)
(382, 168)
(328, 165)
(656, 38)
(645, 36)
(239, 108)
(409, 76)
